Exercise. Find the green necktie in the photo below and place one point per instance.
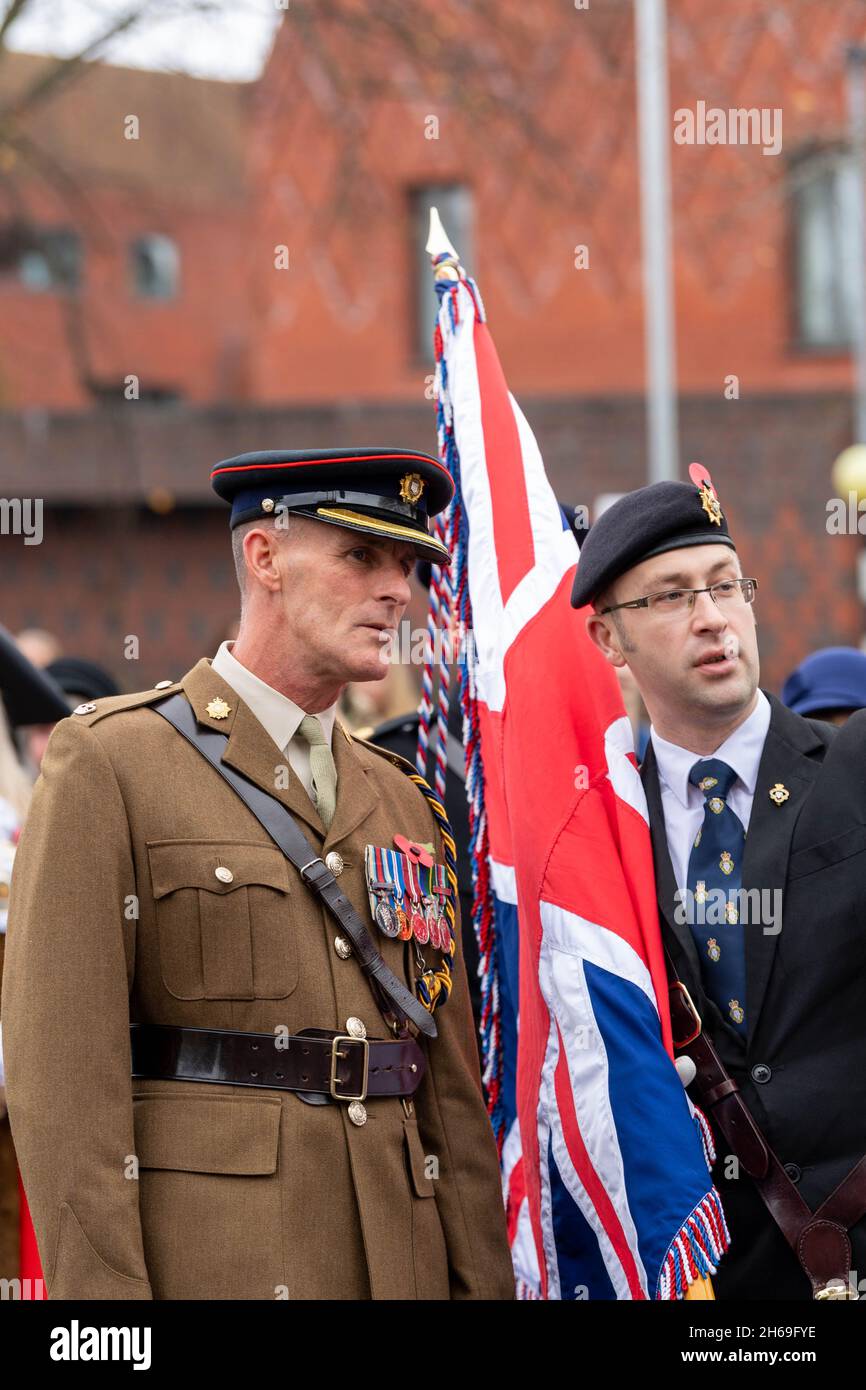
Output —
(322, 767)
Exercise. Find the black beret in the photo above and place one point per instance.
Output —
(78, 676)
(647, 522)
(383, 492)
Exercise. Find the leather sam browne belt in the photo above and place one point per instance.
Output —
(395, 999)
(819, 1239)
(314, 1062)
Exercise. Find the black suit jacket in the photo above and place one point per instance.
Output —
(802, 1067)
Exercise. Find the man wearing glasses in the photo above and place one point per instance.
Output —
(758, 821)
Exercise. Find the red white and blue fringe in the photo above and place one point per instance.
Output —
(449, 598)
(696, 1250)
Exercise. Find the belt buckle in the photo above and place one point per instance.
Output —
(335, 1053)
(679, 1044)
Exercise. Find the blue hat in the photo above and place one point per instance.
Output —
(647, 522)
(832, 678)
(389, 493)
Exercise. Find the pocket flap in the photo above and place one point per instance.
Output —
(207, 1134)
(423, 1185)
(822, 856)
(193, 864)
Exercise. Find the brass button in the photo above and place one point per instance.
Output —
(358, 1113)
(84, 709)
(334, 862)
(342, 947)
(355, 1028)
(268, 504)
(163, 685)
(224, 875)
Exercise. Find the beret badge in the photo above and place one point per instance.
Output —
(706, 493)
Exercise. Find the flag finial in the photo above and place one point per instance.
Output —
(440, 250)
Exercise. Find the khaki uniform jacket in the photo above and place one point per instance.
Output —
(181, 1190)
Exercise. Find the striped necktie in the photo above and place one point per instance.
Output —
(715, 876)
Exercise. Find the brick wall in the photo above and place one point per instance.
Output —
(103, 573)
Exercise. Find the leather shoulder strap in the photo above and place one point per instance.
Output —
(819, 1240)
(279, 823)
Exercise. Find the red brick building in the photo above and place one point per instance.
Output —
(254, 260)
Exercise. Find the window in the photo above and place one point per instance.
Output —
(454, 202)
(50, 259)
(826, 240)
(155, 266)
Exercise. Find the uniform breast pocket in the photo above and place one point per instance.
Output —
(224, 917)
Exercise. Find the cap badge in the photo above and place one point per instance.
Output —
(411, 487)
(710, 504)
(218, 709)
(779, 793)
(706, 492)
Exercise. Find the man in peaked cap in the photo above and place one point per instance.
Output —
(240, 1053)
(758, 821)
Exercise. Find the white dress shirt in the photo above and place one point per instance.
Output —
(278, 715)
(683, 803)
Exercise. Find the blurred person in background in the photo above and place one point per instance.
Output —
(40, 647)
(79, 680)
(828, 684)
(28, 696)
(364, 706)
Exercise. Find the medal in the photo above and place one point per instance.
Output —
(420, 929)
(386, 916)
(383, 891)
(398, 868)
(405, 927)
(442, 891)
(432, 924)
(408, 895)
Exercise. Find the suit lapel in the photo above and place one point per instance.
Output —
(666, 885)
(768, 840)
(356, 799)
(250, 749)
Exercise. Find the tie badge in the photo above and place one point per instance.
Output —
(779, 794)
(407, 895)
(714, 950)
(736, 1010)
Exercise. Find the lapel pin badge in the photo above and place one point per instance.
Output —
(779, 794)
(218, 709)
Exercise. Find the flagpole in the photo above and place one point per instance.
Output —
(655, 199)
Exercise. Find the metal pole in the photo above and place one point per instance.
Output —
(654, 133)
(856, 76)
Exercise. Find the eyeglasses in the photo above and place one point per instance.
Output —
(727, 594)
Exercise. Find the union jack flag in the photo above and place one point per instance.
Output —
(605, 1161)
